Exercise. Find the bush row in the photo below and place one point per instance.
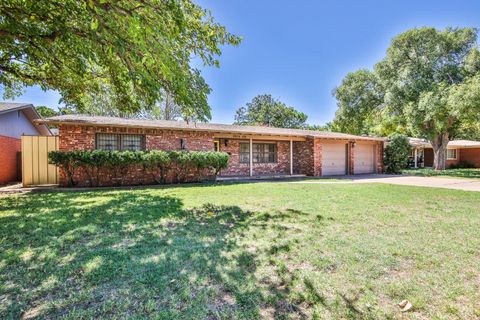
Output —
(158, 163)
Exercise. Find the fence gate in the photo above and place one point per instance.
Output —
(35, 168)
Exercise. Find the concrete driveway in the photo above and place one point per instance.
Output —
(433, 182)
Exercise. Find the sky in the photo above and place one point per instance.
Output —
(299, 51)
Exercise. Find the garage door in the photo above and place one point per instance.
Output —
(364, 158)
(334, 159)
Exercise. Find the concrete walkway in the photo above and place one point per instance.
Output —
(433, 182)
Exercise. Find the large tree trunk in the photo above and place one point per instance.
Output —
(439, 145)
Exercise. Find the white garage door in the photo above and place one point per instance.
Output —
(364, 158)
(334, 159)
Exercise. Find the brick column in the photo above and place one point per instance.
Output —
(351, 158)
(317, 157)
(379, 157)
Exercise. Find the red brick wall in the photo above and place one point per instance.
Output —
(83, 138)
(351, 158)
(379, 157)
(9, 159)
(471, 156)
(307, 154)
(450, 163)
(317, 157)
(303, 157)
(235, 168)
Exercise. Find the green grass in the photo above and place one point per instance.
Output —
(457, 173)
(250, 250)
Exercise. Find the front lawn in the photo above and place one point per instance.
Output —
(457, 173)
(251, 250)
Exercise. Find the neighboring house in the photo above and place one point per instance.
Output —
(16, 119)
(253, 151)
(459, 152)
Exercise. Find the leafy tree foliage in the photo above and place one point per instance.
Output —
(426, 86)
(46, 112)
(326, 127)
(166, 109)
(126, 50)
(396, 154)
(358, 97)
(469, 132)
(264, 110)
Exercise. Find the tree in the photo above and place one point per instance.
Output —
(46, 112)
(469, 131)
(264, 110)
(424, 87)
(167, 109)
(358, 97)
(130, 50)
(396, 153)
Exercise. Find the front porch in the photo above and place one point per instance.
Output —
(259, 156)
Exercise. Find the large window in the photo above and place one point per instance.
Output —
(108, 141)
(451, 154)
(262, 152)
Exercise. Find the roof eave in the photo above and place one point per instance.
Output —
(87, 123)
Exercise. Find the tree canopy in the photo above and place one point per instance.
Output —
(129, 50)
(46, 112)
(264, 110)
(426, 86)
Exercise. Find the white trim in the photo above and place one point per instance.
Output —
(415, 157)
(251, 157)
(456, 154)
(291, 157)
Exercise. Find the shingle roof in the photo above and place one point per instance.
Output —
(417, 142)
(464, 143)
(10, 106)
(29, 111)
(211, 127)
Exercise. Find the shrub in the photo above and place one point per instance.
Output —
(157, 162)
(462, 165)
(68, 161)
(396, 154)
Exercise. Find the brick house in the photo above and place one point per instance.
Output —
(16, 119)
(464, 152)
(253, 151)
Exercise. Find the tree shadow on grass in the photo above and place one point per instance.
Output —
(143, 255)
(84, 255)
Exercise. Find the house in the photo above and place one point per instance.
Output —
(459, 152)
(16, 119)
(253, 151)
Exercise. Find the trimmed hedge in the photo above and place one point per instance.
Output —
(158, 163)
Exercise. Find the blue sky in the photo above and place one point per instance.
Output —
(298, 51)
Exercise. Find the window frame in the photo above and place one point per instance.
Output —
(456, 154)
(120, 141)
(260, 155)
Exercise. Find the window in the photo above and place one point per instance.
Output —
(244, 153)
(262, 152)
(108, 141)
(451, 154)
(216, 145)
